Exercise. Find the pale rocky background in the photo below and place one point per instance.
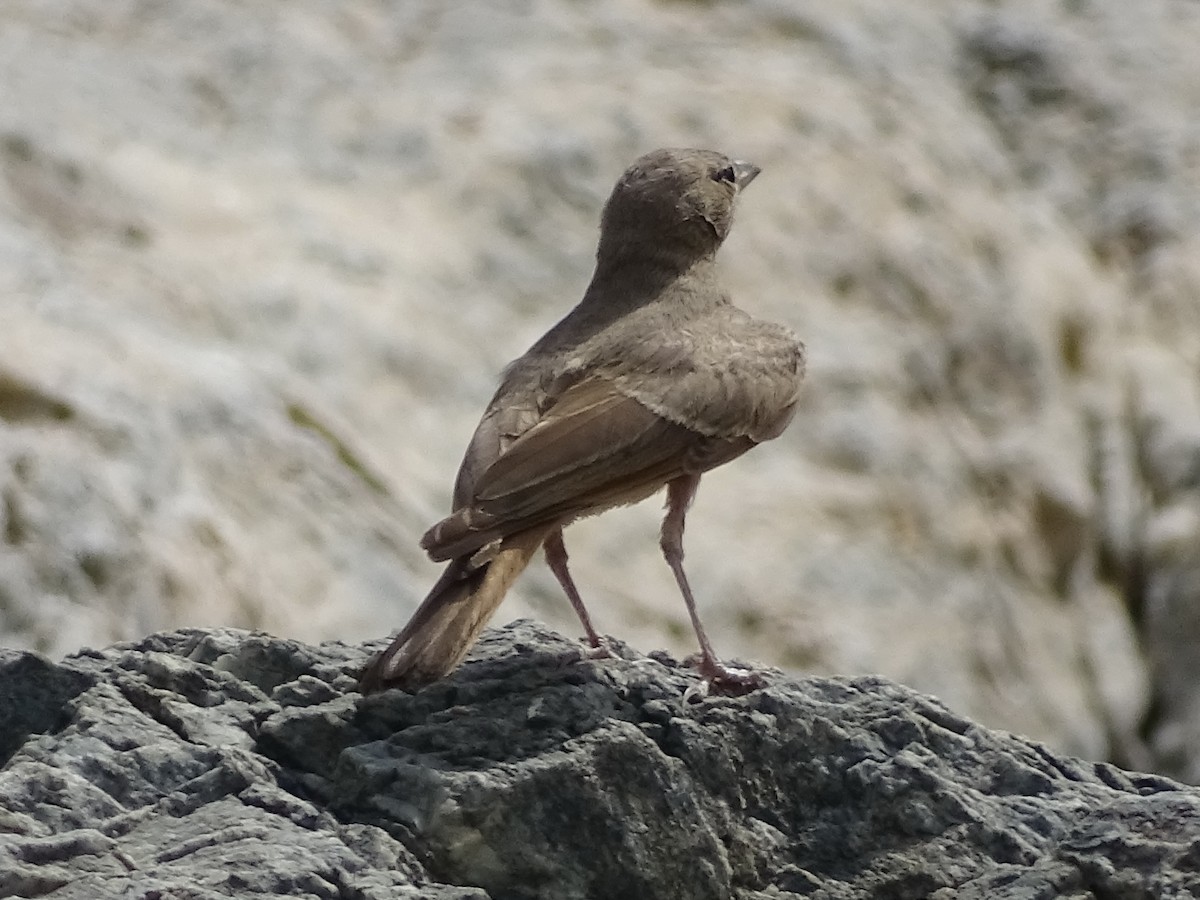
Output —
(260, 264)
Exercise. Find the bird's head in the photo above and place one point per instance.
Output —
(673, 202)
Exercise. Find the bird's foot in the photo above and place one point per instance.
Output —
(718, 678)
(598, 648)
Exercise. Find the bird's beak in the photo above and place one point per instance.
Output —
(744, 173)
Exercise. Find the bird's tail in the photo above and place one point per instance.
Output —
(451, 617)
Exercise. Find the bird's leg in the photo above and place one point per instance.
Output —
(680, 494)
(556, 558)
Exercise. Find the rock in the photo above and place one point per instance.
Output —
(214, 763)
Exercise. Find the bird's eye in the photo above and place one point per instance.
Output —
(725, 174)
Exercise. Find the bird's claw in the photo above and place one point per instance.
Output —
(697, 691)
(722, 680)
(599, 650)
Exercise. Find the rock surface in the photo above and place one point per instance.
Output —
(200, 764)
(260, 265)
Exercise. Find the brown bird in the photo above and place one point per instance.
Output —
(654, 378)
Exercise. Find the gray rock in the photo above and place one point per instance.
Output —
(199, 764)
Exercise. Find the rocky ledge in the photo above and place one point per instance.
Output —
(198, 764)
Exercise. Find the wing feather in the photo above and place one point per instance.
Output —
(594, 448)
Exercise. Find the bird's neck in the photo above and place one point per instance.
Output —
(649, 286)
(636, 281)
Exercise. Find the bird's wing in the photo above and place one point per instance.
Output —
(729, 377)
(594, 448)
(509, 416)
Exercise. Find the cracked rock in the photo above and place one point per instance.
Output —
(215, 763)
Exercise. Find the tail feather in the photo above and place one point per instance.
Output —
(450, 619)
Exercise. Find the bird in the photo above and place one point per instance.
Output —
(654, 378)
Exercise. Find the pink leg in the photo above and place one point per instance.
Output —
(556, 558)
(680, 494)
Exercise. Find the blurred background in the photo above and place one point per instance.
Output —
(261, 264)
